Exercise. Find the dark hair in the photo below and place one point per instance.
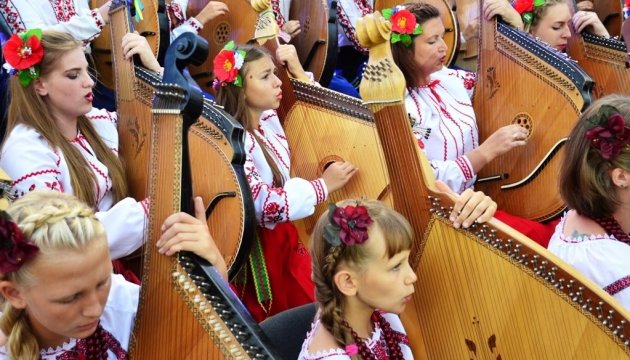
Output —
(404, 56)
(585, 182)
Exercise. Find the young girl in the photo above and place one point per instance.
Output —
(279, 276)
(595, 184)
(55, 138)
(363, 281)
(62, 301)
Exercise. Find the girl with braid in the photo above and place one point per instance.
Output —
(279, 273)
(61, 300)
(595, 185)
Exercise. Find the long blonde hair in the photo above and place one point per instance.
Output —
(327, 258)
(28, 108)
(53, 221)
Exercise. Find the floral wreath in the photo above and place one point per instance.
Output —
(15, 249)
(608, 132)
(526, 9)
(348, 225)
(404, 25)
(226, 66)
(23, 53)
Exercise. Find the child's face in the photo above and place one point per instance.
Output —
(386, 283)
(262, 86)
(69, 294)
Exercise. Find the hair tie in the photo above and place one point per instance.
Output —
(607, 132)
(348, 225)
(15, 248)
(23, 53)
(352, 349)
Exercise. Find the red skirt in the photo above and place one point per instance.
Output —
(289, 268)
(539, 232)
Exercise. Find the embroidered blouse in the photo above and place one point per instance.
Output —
(281, 9)
(117, 319)
(33, 164)
(600, 257)
(274, 204)
(348, 11)
(71, 16)
(176, 11)
(444, 124)
(376, 343)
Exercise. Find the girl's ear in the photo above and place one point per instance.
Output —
(12, 294)
(620, 178)
(346, 282)
(40, 87)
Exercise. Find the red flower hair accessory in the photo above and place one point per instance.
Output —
(348, 225)
(23, 52)
(404, 25)
(526, 7)
(226, 66)
(15, 249)
(608, 132)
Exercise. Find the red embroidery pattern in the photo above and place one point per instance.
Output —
(11, 16)
(98, 20)
(320, 194)
(466, 170)
(145, 205)
(348, 27)
(618, 285)
(36, 173)
(195, 24)
(275, 6)
(64, 9)
(174, 12)
(101, 193)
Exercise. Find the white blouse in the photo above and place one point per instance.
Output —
(293, 201)
(33, 164)
(348, 11)
(601, 258)
(443, 122)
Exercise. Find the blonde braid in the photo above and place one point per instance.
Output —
(53, 221)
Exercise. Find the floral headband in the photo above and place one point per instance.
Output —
(348, 225)
(607, 132)
(526, 7)
(404, 25)
(15, 249)
(23, 53)
(226, 66)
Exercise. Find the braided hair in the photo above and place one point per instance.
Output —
(327, 259)
(53, 221)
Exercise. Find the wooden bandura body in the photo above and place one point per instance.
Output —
(604, 60)
(449, 19)
(316, 44)
(216, 145)
(522, 81)
(323, 126)
(610, 12)
(488, 292)
(237, 25)
(186, 310)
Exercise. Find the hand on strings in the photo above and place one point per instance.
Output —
(183, 232)
(504, 9)
(504, 140)
(470, 206)
(338, 174)
(287, 55)
(292, 27)
(211, 11)
(104, 11)
(135, 44)
(586, 19)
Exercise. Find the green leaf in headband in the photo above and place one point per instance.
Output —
(238, 81)
(32, 32)
(28, 75)
(539, 2)
(395, 38)
(387, 13)
(405, 39)
(528, 17)
(229, 46)
(417, 30)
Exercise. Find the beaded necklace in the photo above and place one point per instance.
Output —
(95, 347)
(392, 339)
(612, 227)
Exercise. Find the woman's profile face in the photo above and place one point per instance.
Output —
(262, 86)
(430, 48)
(553, 26)
(67, 87)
